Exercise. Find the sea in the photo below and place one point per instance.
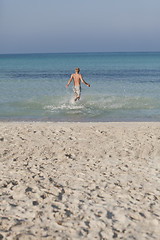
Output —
(123, 87)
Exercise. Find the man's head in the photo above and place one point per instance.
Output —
(77, 70)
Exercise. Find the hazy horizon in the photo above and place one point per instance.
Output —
(38, 26)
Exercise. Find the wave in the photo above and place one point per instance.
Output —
(95, 105)
(88, 108)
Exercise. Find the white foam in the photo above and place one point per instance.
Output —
(71, 101)
(64, 106)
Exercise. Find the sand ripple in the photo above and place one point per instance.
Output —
(79, 181)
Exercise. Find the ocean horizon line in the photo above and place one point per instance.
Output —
(87, 52)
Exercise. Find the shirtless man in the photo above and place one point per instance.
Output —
(77, 78)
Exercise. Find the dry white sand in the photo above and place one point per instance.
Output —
(79, 181)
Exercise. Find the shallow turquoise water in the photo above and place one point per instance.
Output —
(124, 87)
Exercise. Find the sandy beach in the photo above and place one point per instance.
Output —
(79, 181)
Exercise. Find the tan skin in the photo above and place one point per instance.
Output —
(77, 78)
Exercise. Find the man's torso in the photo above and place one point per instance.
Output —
(76, 79)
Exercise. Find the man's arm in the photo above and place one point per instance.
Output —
(84, 81)
(69, 81)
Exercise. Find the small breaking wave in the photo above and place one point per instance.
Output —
(93, 106)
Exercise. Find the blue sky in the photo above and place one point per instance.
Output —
(32, 26)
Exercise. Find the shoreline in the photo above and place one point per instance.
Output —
(121, 123)
(80, 180)
(49, 121)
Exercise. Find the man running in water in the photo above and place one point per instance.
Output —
(77, 78)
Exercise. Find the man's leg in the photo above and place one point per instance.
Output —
(77, 93)
(76, 98)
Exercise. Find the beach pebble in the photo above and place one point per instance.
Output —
(1, 236)
(35, 203)
(28, 189)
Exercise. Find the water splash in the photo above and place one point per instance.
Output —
(95, 105)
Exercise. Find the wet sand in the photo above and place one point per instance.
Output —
(79, 181)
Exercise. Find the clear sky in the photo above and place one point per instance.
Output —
(37, 26)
